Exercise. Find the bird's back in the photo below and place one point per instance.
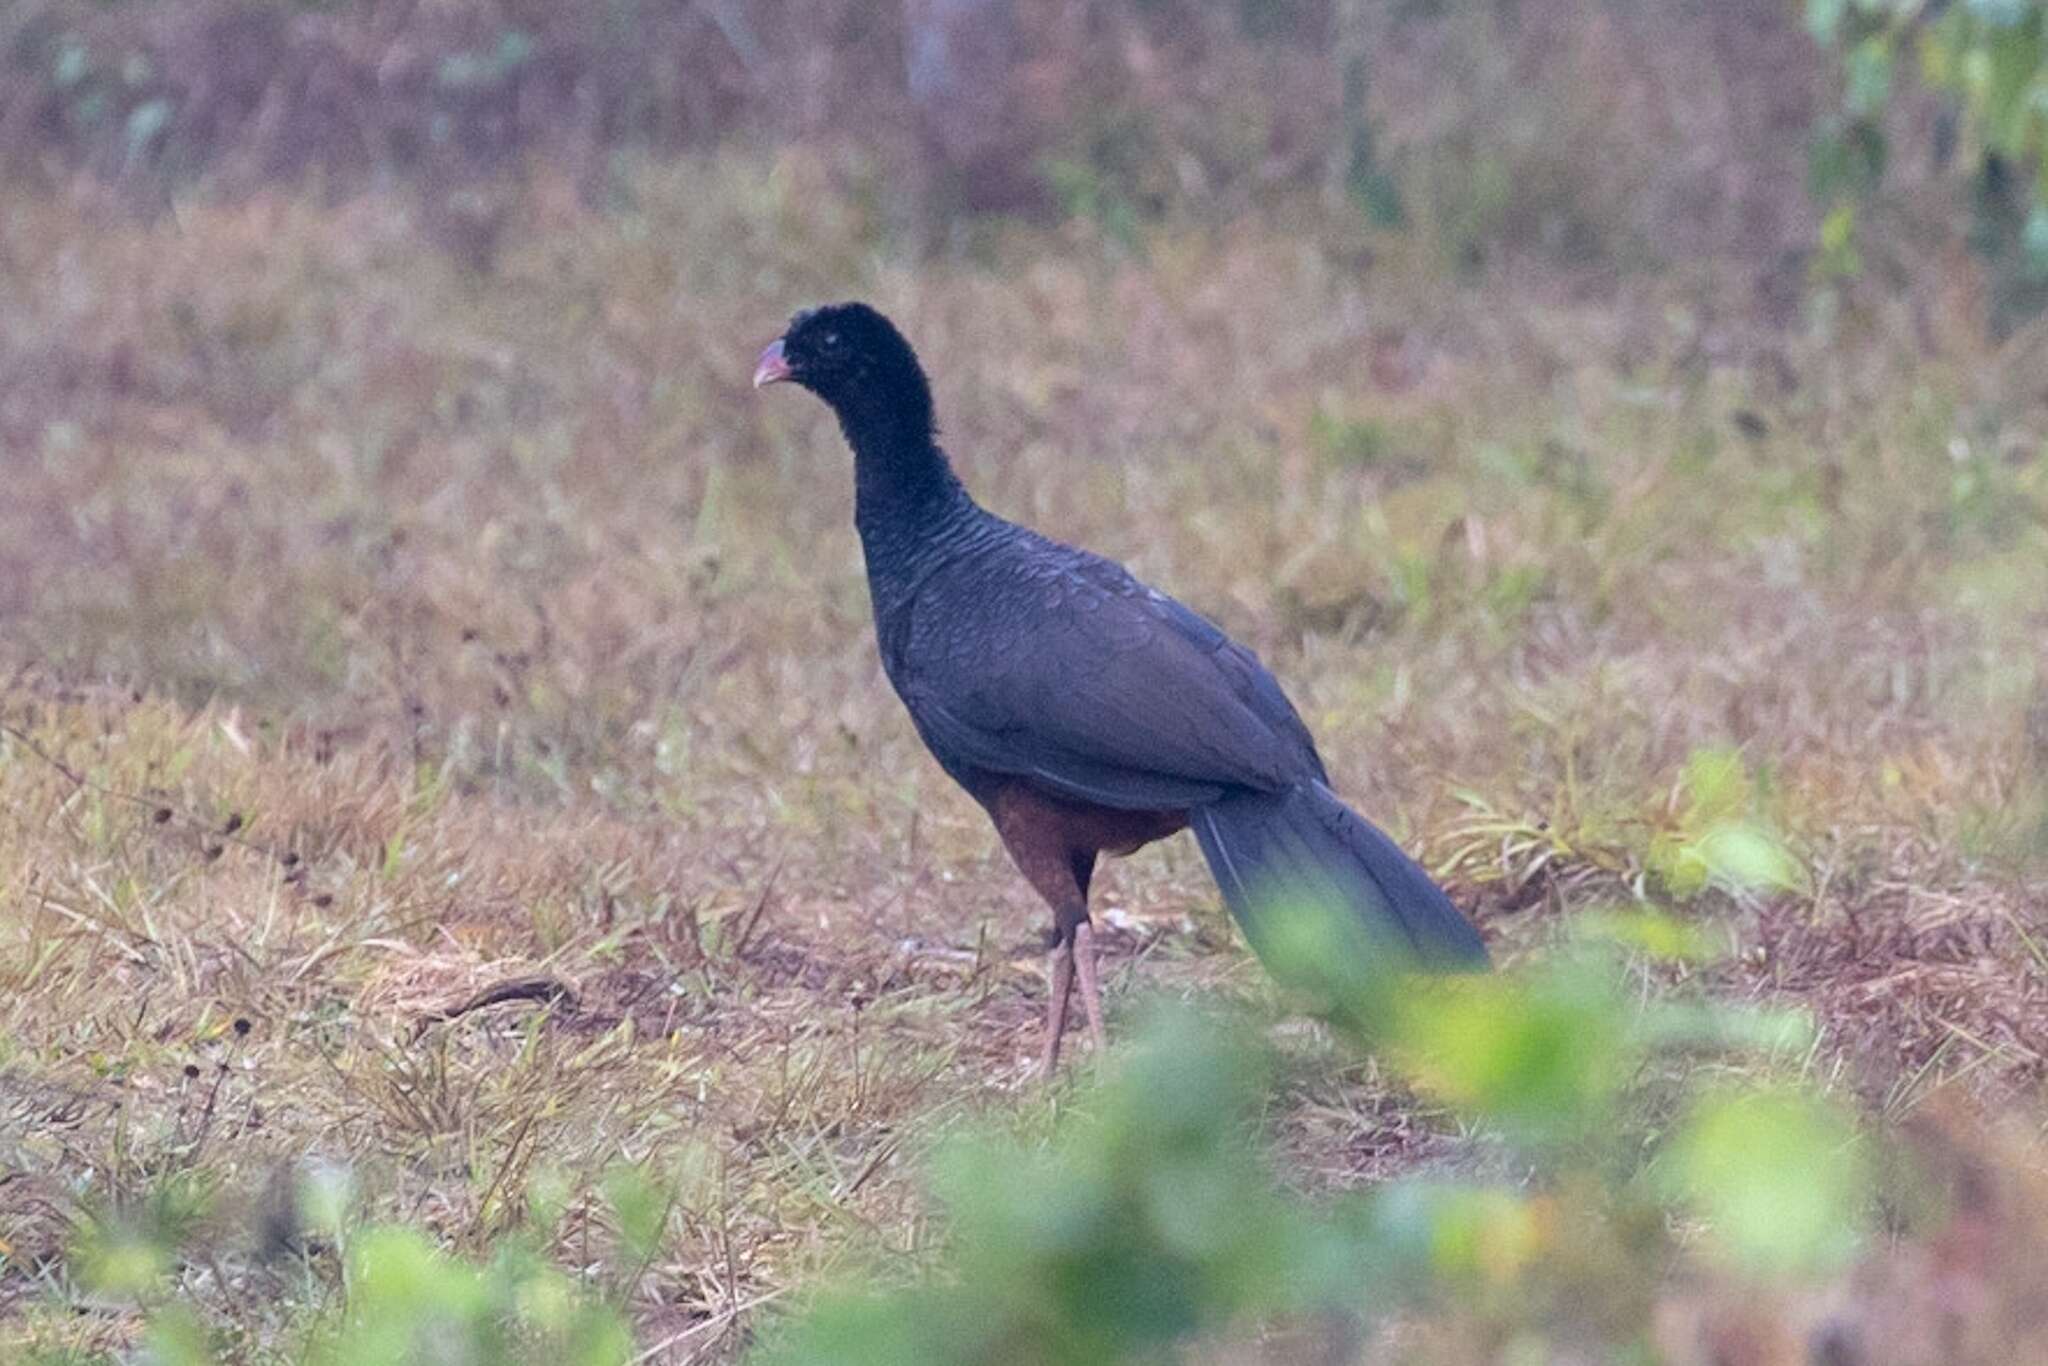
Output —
(1021, 655)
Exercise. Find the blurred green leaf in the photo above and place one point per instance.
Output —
(548, 1197)
(127, 1252)
(1653, 932)
(1869, 80)
(411, 1302)
(1839, 258)
(1824, 18)
(395, 1269)
(175, 1337)
(2034, 238)
(1746, 857)
(1774, 1033)
(1542, 1056)
(123, 1262)
(1314, 943)
(641, 1206)
(1778, 1176)
(145, 122)
(1460, 1233)
(1716, 783)
(1149, 1219)
(1720, 839)
(72, 65)
(327, 1193)
(2001, 13)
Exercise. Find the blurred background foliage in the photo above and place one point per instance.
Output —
(1980, 71)
(1614, 135)
(1745, 139)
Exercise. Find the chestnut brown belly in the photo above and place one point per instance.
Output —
(1031, 819)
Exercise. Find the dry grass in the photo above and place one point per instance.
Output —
(378, 633)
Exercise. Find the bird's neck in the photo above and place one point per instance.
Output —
(909, 507)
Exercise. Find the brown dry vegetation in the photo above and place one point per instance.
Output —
(378, 632)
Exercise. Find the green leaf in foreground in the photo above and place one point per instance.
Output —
(409, 1301)
(641, 1207)
(1542, 1056)
(1777, 1175)
(1150, 1220)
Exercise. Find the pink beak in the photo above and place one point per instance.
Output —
(772, 368)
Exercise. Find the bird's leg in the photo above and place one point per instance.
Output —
(1056, 1002)
(1091, 993)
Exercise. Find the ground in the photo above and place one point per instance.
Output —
(378, 633)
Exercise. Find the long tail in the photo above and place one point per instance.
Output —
(1269, 850)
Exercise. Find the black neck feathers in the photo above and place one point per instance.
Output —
(908, 505)
(905, 492)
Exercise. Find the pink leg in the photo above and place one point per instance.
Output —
(1056, 1002)
(1091, 992)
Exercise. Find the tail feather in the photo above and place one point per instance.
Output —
(1304, 842)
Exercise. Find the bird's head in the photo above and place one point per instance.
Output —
(850, 356)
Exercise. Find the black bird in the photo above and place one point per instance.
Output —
(1086, 712)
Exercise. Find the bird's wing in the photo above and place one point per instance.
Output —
(1076, 676)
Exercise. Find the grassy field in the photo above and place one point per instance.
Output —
(377, 634)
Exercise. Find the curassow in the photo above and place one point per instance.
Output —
(1086, 712)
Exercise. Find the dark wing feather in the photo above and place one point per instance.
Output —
(1060, 667)
(961, 745)
(1254, 685)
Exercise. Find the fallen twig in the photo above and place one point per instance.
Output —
(551, 990)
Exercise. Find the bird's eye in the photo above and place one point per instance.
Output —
(830, 341)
